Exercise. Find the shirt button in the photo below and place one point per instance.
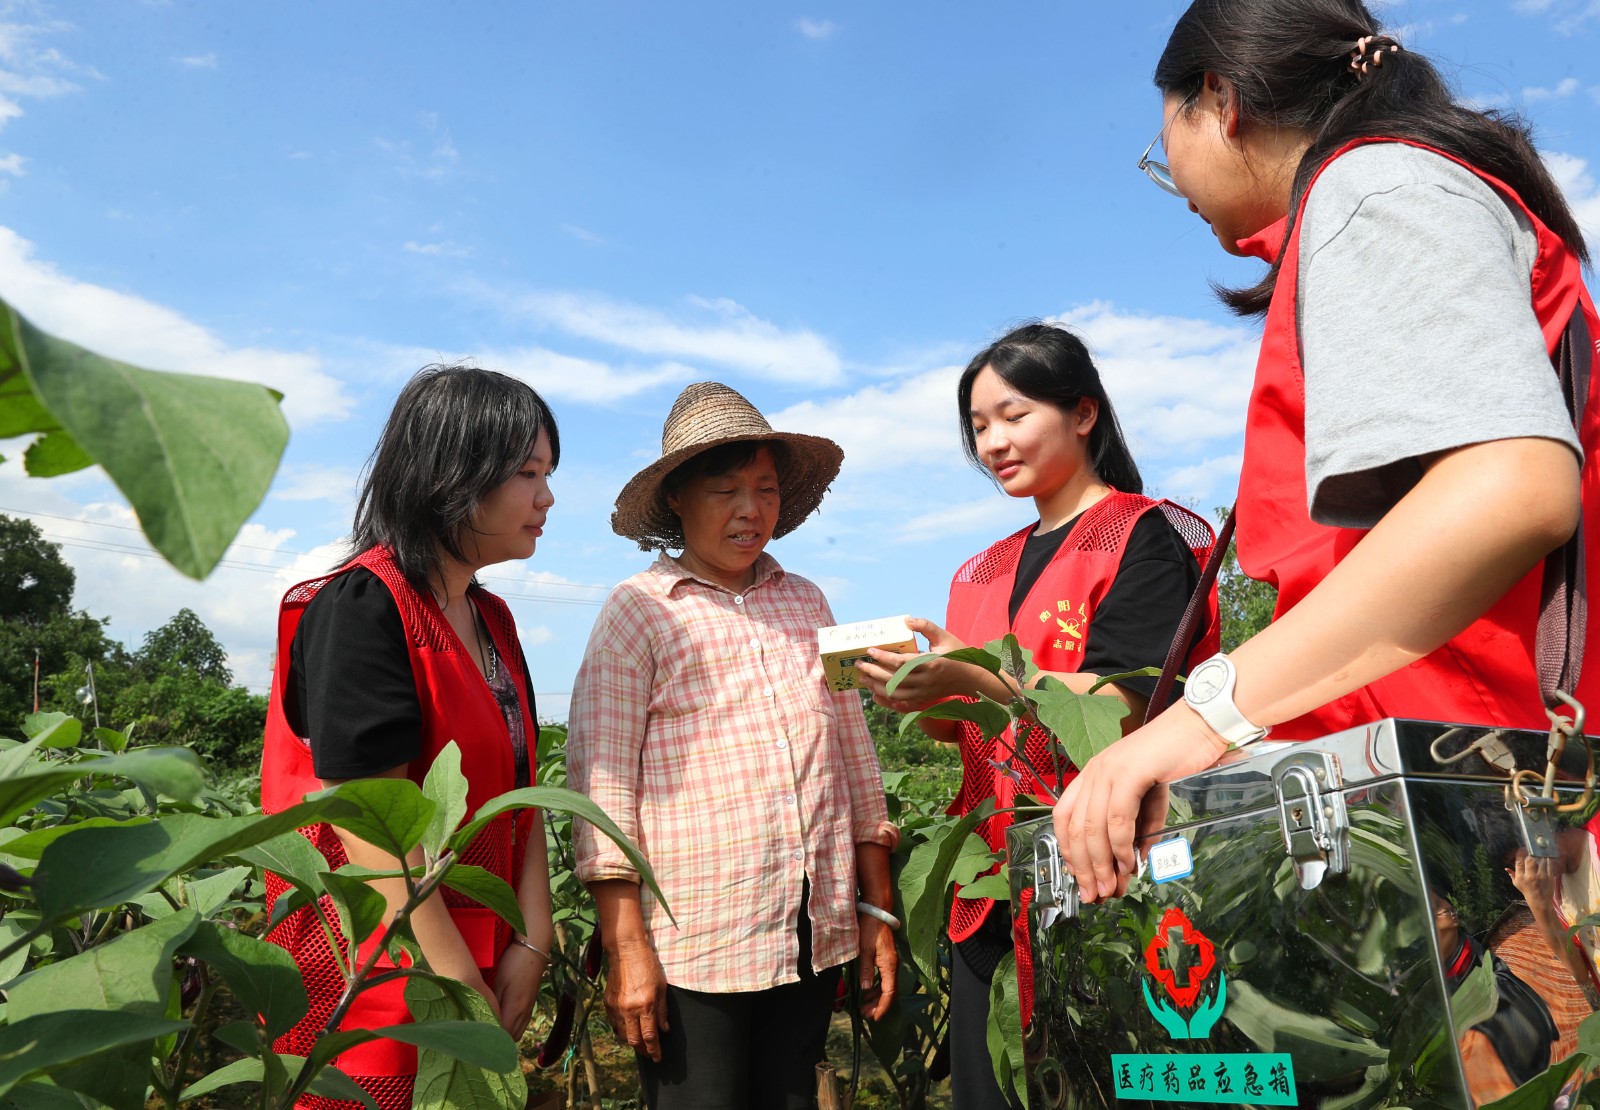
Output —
(755, 645)
(783, 743)
(798, 854)
(766, 691)
(738, 599)
(788, 799)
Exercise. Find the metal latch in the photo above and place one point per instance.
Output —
(1316, 826)
(1532, 797)
(1055, 892)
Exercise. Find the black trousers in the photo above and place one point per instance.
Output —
(746, 1050)
(972, 1082)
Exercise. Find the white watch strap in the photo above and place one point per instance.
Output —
(1209, 692)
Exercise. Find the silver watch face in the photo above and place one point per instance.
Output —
(1205, 682)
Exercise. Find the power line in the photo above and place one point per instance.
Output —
(110, 546)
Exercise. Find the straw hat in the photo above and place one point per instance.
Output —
(707, 415)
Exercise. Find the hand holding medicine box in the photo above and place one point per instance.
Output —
(840, 645)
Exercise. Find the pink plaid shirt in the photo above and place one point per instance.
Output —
(701, 724)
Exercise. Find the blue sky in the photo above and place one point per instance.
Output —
(829, 209)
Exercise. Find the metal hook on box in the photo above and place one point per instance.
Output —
(1543, 796)
(1489, 745)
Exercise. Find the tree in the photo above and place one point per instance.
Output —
(35, 584)
(185, 644)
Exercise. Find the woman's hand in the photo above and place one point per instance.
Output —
(636, 996)
(516, 982)
(1121, 795)
(878, 956)
(932, 682)
(1536, 877)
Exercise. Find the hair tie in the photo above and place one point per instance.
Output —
(1379, 45)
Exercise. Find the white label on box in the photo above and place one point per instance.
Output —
(1171, 860)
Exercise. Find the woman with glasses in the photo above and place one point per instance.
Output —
(1409, 458)
(1095, 587)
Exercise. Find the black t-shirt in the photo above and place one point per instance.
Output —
(351, 692)
(1134, 623)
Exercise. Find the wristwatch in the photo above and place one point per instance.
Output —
(1209, 692)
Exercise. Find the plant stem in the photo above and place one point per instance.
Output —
(208, 990)
(358, 981)
(591, 1071)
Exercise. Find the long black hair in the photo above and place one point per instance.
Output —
(1047, 363)
(1290, 62)
(456, 432)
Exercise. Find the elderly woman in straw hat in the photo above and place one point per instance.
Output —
(701, 723)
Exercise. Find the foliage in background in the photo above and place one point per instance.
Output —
(1245, 604)
(175, 689)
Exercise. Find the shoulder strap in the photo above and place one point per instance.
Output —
(1563, 600)
(1192, 614)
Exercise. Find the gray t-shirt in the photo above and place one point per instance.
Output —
(1416, 327)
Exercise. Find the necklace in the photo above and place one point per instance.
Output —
(486, 651)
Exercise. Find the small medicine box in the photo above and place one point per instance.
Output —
(840, 645)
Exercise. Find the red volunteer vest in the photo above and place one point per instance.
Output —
(1486, 674)
(1053, 623)
(456, 705)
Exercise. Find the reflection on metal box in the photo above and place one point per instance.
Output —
(1366, 923)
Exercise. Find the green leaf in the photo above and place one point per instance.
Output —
(1005, 1025)
(31, 845)
(446, 787)
(46, 1043)
(976, 656)
(205, 895)
(171, 771)
(113, 740)
(390, 814)
(990, 716)
(1085, 724)
(488, 889)
(248, 1070)
(1142, 672)
(291, 857)
(131, 976)
(52, 730)
(13, 928)
(1476, 999)
(330, 1082)
(43, 1094)
(194, 456)
(262, 976)
(464, 1058)
(996, 886)
(558, 799)
(361, 908)
(1540, 1092)
(1017, 660)
(975, 858)
(101, 867)
(53, 454)
(923, 882)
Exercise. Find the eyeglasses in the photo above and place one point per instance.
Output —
(1446, 912)
(1158, 171)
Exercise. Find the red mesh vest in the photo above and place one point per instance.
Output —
(1486, 674)
(456, 705)
(1053, 623)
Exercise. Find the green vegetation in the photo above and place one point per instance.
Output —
(174, 689)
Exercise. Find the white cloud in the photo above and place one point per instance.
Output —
(438, 158)
(315, 482)
(1562, 91)
(816, 29)
(447, 250)
(583, 235)
(12, 164)
(559, 376)
(1582, 192)
(128, 327)
(1180, 387)
(1567, 16)
(992, 516)
(1178, 384)
(199, 61)
(709, 330)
